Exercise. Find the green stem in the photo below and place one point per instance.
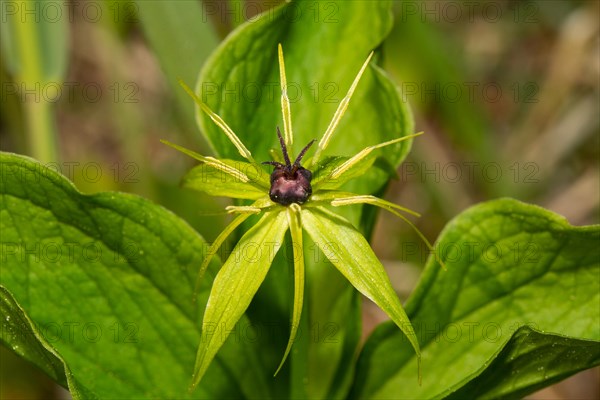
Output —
(40, 130)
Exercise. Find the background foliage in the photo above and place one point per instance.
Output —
(509, 104)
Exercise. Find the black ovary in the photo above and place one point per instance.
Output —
(289, 187)
(290, 183)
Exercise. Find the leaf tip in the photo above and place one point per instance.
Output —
(200, 368)
(280, 366)
(196, 377)
(183, 84)
(193, 385)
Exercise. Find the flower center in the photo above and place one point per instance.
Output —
(290, 183)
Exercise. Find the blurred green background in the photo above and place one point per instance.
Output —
(506, 91)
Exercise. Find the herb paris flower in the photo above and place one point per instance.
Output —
(291, 199)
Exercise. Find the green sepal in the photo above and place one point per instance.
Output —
(295, 222)
(235, 285)
(351, 254)
(207, 179)
(322, 174)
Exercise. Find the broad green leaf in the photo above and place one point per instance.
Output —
(530, 361)
(509, 265)
(106, 281)
(240, 81)
(207, 179)
(235, 286)
(27, 340)
(20, 332)
(323, 52)
(349, 251)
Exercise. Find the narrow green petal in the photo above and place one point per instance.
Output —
(338, 198)
(294, 219)
(285, 101)
(389, 206)
(350, 252)
(339, 113)
(231, 170)
(212, 250)
(350, 164)
(322, 179)
(244, 152)
(333, 172)
(235, 285)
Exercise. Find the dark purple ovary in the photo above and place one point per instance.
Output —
(290, 183)
(287, 189)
